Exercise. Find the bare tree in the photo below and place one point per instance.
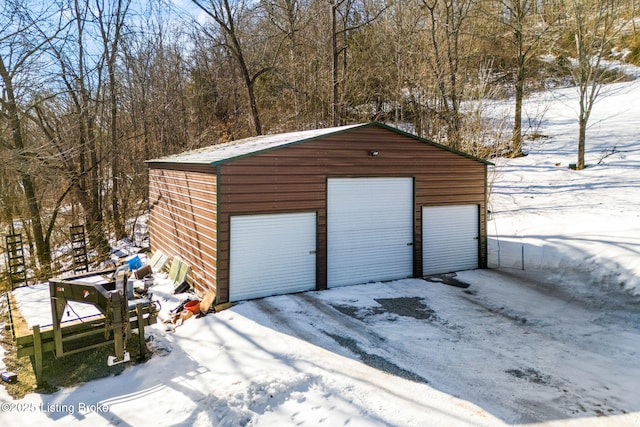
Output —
(526, 27)
(111, 23)
(227, 15)
(347, 16)
(292, 26)
(595, 25)
(22, 39)
(70, 120)
(447, 31)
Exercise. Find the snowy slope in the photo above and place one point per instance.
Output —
(580, 221)
(555, 344)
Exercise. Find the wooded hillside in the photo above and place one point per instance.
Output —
(92, 88)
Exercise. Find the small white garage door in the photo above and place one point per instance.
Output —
(271, 254)
(369, 230)
(449, 238)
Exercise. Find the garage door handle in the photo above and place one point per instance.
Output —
(476, 238)
(410, 244)
(312, 252)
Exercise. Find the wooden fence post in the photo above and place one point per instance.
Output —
(37, 348)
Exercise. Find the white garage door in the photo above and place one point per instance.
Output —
(369, 230)
(271, 255)
(449, 238)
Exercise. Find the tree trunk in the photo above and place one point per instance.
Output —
(115, 169)
(334, 69)
(582, 140)
(28, 183)
(516, 149)
(252, 99)
(110, 44)
(89, 193)
(224, 16)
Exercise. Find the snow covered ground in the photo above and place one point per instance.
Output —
(574, 221)
(551, 338)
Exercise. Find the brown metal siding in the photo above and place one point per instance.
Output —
(294, 179)
(183, 219)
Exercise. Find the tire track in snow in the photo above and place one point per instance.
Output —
(350, 334)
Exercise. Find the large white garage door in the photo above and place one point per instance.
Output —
(272, 254)
(369, 230)
(449, 238)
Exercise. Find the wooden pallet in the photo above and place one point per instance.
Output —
(40, 341)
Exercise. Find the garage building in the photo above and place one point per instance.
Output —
(318, 209)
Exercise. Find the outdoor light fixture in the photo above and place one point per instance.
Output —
(374, 153)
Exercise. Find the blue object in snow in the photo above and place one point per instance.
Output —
(134, 262)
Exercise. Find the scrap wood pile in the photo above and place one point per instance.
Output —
(191, 305)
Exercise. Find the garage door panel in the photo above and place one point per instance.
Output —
(369, 230)
(450, 238)
(355, 239)
(272, 254)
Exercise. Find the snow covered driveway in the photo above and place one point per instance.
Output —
(508, 349)
(520, 349)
